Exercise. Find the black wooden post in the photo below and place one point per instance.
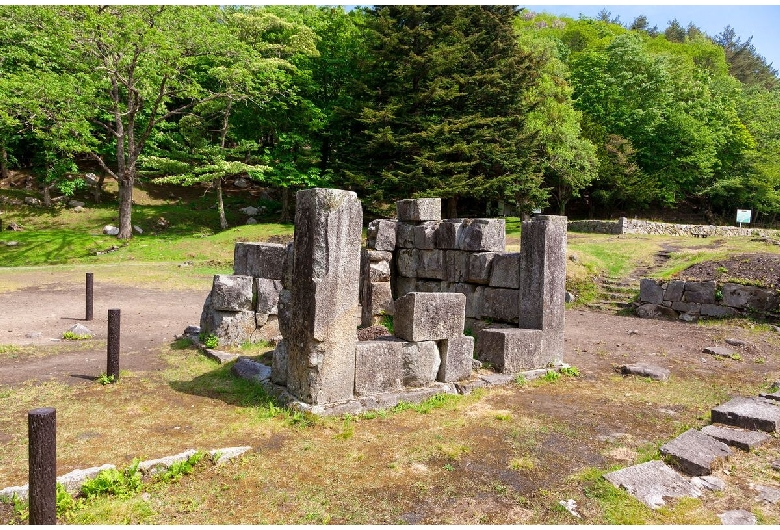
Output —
(112, 368)
(42, 462)
(90, 279)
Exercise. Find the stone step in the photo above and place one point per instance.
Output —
(739, 438)
(752, 413)
(695, 453)
(652, 483)
(619, 288)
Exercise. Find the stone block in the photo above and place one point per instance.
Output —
(251, 370)
(379, 272)
(261, 260)
(429, 286)
(404, 235)
(748, 296)
(404, 286)
(416, 210)
(231, 293)
(380, 234)
(378, 256)
(685, 307)
(287, 266)
(429, 316)
(656, 311)
(717, 311)
(283, 309)
(448, 234)
(674, 291)
(378, 366)
(500, 304)
(650, 292)
(230, 327)
(506, 270)
(267, 295)
(739, 438)
(425, 235)
(324, 301)
(653, 482)
(380, 298)
(480, 235)
(421, 363)
(406, 262)
(655, 373)
(473, 295)
(699, 292)
(695, 453)
(456, 355)
(748, 413)
(480, 267)
(512, 350)
(737, 517)
(456, 265)
(430, 264)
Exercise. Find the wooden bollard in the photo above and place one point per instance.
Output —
(112, 367)
(90, 292)
(42, 462)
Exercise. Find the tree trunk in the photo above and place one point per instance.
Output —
(562, 210)
(3, 163)
(285, 215)
(126, 206)
(47, 195)
(220, 204)
(452, 208)
(98, 191)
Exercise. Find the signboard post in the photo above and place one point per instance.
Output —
(743, 216)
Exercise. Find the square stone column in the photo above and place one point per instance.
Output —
(324, 305)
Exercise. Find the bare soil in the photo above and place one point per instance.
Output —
(761, 269)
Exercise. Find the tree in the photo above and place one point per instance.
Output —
(674, 32)
(745, 63)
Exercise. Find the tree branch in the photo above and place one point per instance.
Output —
(100, 161)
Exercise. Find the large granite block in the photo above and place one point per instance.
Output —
(324, 300)
(650, 292)
(283, 309)
(739, 438)
(287, 266)
(416, 210)
(430, 264)
(261, 260)
(379, 366)
(429, 286)
(748, 296)
(380, 234)
(674, 291)
(695, 453)
(456, 354)
(231, 293)
(267, 295)
(404, 286)
(425, 235)
(448, 234)
(748, 413)
(279, 364)
(699, 292)
(379, 272)
(230, 327)
(404, 235)
(421, 363)
(512, 350)
(429, 316)
(473, 297)
(480, 267)
(653, 483)
(500, 304)
(506, 270)
(480, 235)
(406, 262)
(378, 256)
(456, 263)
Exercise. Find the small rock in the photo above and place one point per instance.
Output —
(241, 182)
(734, 517)
(33, 335)
(719, 351)
(32, 201)
(736, 342)
(80, 329)
(251, 221)
(569, 298)
(12, 243)
(476, 365)
(687, 317)
(251, 211)
(229, 453)
(78, 209)
(75, 204)
(162, 223)
(138, 229)
(776, 329)
(192, 330)
(709, 482)
(110, 230)
(573, 258)
(571, 506)
(767, 494)
(185, 264)
(633, 332)
(776, 465)
(14, 227)
(655, 373)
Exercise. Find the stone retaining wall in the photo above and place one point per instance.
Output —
(689, 300)
(624, 225)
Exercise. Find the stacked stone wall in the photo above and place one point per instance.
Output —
(625, 225)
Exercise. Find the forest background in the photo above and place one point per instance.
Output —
(488, 107)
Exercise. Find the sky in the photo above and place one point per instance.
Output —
(762, 22)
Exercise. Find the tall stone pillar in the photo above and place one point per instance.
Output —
(543, 281)
(324, 306)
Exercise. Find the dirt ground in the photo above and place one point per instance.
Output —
(764, 269)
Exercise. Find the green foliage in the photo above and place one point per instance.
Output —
(387, 322)
(105, 379)
(178, 469)
(65, 502)
(520, 380)
(551, 376)
(570, 371)
(209, 340)
(69, 335)
(122, 484)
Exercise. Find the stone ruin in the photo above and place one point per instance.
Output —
(436, 277)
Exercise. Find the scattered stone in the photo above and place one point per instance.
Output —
(241, 182)
(20, 492)
(739, 438)
(162, 223)
(476, 364)
(655, 373)
(80, 329)
(251, 221)
(246, 368)
(152, 467)
(776, 465)
(186, 264)
(497, 379)
(226, 454)
(251, 211)
(687, 317)
(75, 204)
(695, 453)
(110, 230)
(656, 311)
(569, 298)
(739, 343)
(748, 413)
(767, 494)
(138, 230)
(709, 482)
(719, 351)
(651, 482)
(78, 209)
(222, 357)
(14, 227)
(32, 201)
(192, 330)
(737, 517)
(571, 507)
(33, 335)
(12, 243)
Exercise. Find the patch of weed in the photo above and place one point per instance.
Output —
(570, 371)
(105, 379)
(178, 469)
(551, 376)
(520, 380)
(523, 463)
(387, 321)
(114, 482)
(69, 335)
(209, 340)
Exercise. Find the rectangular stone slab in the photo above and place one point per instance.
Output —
(416, 210)
(456, 354)
(748, 413)
(380, 234)
(511, 350)
(739, 438)
(652, 482)
(378, 366)
(429, 316)
(261, 260)
(695, 453)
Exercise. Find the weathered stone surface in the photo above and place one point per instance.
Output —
(652, 482)
(429, 286)
(717, 311)
(709, 482)
(324, 296)
(261, 260)
(287, 266)
(512, 350)
(739, 438)
(468, 386)
(473, 298)
(748, 296)
(748, 413)
(421, 361)
(81, 330)
(448, 234)
(428, 209)
(480, 267)
(379, 272)
(406, 262)
(379, 366)
(774, 396)
(479, 235)
(456, 354)
(152, 467)
(500, 304)
(656, 311)
(430, 264)
(646, 370)
(267, 295)
(429, 316)
(685, 307)
(283, 308)
(425, 235)
(380, 234)
(497, 379)
(404, 286)
(230, 327)
(699, 292)
(404, 235)
(737, 517)
(20, 492)
(506, 270)
(378, 256)
(650, 292)
(674, 291)
(227, 454)
(739, 343)
(279, 364)
(231, 293)
(246, 368)
(719, 351)
(379, 299)
(767, 494)
(222, 357)
(456, 264)
(695, 453)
